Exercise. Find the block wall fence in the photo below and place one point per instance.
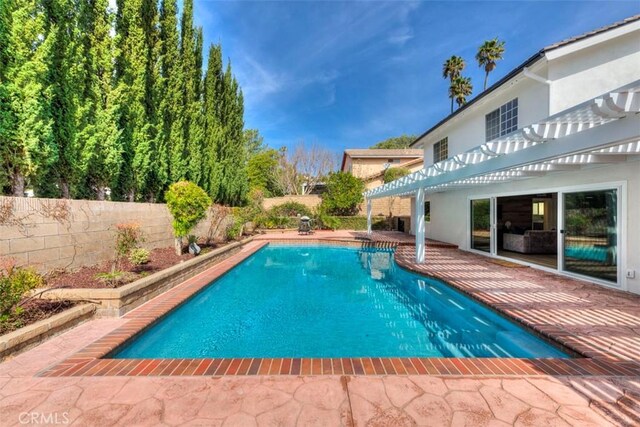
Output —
(51, 234)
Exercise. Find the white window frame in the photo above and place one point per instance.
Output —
(507, 113)
(444, 140)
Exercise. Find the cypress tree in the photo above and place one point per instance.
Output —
(61, 59)
(134, 98)
(26, 144)
(229, 175)
(213, 131)
(153, 178)
(98, 136)
(170, 142)
(195, 113)
(189, 85)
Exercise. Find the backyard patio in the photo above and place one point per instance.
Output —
(61, 380)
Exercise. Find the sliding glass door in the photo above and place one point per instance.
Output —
(590, 235)
(481, 220)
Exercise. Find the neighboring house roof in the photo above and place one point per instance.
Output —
(404, 165)
(534, 58)
(372, 153)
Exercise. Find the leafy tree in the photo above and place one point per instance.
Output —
(254, 142)
(262, 171)
(451, 69)
(489, 53)
(188, 205)
(26, 143)
(392, 174)
(460, 88)
(343, 195)
(396, 142)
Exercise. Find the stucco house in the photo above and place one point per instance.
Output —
(543, 167)
(370, 166)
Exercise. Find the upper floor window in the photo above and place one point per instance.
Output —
(441, 150)
(502, 121)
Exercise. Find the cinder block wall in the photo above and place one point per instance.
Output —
(52, 233)
(309, 200)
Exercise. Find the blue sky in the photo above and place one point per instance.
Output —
(348, 74)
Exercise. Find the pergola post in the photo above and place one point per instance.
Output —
(419, 221)
(368, 216)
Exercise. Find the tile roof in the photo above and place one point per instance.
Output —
(374, 152)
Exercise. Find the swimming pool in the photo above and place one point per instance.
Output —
(327, 301)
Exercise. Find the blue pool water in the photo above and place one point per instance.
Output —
(305, 301)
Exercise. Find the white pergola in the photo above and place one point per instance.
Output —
(605, 129)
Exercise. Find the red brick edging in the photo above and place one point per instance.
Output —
(90, 361)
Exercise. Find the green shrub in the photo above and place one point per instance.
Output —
(324, 220)
(360, 223)
(392, 174)
(290, 209)
(344, 193)
(234, 231)
(112, 278)
(139, 256)
(15, 282)
(128, 237)
(187, 204)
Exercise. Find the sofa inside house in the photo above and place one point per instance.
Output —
(532, 242)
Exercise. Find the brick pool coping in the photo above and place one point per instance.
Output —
(91, 361)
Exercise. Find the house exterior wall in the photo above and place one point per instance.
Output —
(364, 167)
(389, 206)
(450, 210)
(467, 130)
(591, 71)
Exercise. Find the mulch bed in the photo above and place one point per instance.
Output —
(86, 277)
(34, 311)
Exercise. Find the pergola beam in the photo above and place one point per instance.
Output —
(623, 130)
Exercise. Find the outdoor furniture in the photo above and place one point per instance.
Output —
(304, 227)
(532, 242)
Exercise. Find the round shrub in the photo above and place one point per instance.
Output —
(15, 282)
(139, 256)
(343, 195)
(188, 204)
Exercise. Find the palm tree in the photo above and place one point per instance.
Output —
(451, 69)
(488, 54)
(460, 88)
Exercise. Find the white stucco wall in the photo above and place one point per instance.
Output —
(589, 72)
(467, 130)
(449, 210)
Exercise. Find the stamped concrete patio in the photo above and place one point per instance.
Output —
(605, 322)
